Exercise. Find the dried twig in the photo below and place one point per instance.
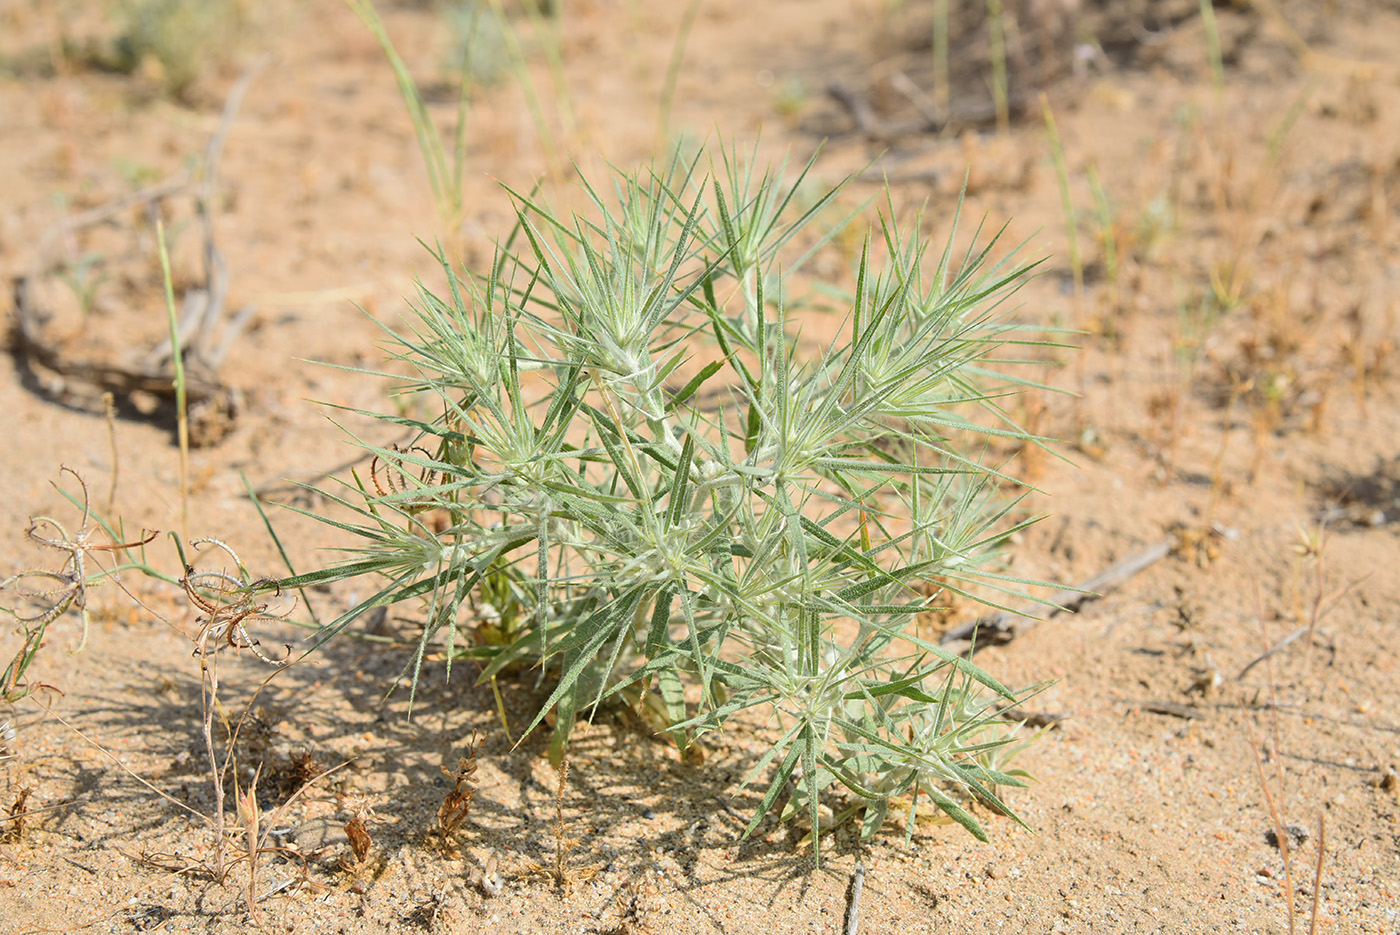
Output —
(1274, 798)
(1172, 709)
(731, 811)
(1032, 718)
(929, 121)
(860, 110)
(109, 412)
(202, 307)
(853, 910)
(1268, 653)
(1322, 602)
(1003, 627)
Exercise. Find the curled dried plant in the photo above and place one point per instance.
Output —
(230, 604)
(44, 596)
(486, 877)
(396, 484)
(458, 803)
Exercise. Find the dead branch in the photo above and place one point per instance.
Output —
(212, 402)
(867, 123)
(1004, 626)
(853, 907)
(1172, 709)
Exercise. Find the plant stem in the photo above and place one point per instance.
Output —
(942, 92)
(177, 355)
(673, 72)
(1066, 202)
(1217, 65)
(996, 26)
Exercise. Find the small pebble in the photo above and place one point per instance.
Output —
(648, 814)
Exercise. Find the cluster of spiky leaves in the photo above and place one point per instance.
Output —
(639, 483)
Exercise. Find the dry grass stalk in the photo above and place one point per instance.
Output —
(178, 864)
(109, 411)
(1275, 795)
(562, 873)
(1317, 874)
(1280, 832)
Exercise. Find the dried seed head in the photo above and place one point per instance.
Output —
(18, 813)
(458, 803)
(360, 809)
(360, 841)
(303, 768)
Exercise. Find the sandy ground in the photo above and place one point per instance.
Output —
(1260, 442)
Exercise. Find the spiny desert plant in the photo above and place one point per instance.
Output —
(639, 455)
